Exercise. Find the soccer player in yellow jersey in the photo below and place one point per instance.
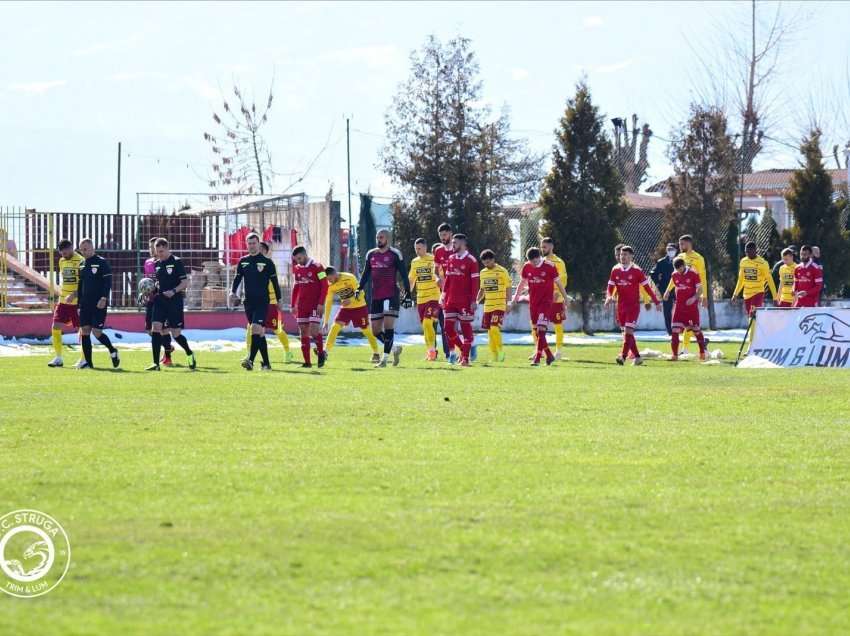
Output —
(753, 275)
(426, 283)
(557, 317)
(65, 313)
(274, 316)
(494, 291)
(353, 309)
(785, 293)
(696, 262)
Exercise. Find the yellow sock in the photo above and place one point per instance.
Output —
(495, 338)
(373, 342)
(559, 337)
(332, 334)
(686, 339)
(284, 339)
(430, 334)
(248, 337)
(56, 337)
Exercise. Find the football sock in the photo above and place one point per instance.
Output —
(181, 340)
(389, 336)
(700, 341)
(626, 346)
(86, 344)
(380, 337)
(283, 338)
(444, 336)
(674, 343)
(56, 338)
(451, 334)
(156, 345)
(429, 333)
(686, 339)
(320, 345)
(166, 343)
(542, 344)
(264, 349)
(255, 346)
(633, 344)
(332, 334)
(495, 337)
(373, 342)
(468, 337)
(305, 347)
(104, 340)
(559, 336)
(248, 334)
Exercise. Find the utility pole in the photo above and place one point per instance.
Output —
(118, 198)
(348, 167)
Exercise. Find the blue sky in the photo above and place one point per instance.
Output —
(77, 78)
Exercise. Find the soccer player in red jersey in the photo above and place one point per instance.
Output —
(441, 252)
(808, 280)
(459, 297)
(541, 278)
(308, 300)
(627, 279)
(688, 286)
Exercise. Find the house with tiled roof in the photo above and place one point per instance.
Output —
(765, 189)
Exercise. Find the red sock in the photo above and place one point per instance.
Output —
(675, 343)
(320, 345)
(626, 346)
(468, 337)
(542, 345)
(633, 345)
(305, 347)
(700, 341)
(451, 333)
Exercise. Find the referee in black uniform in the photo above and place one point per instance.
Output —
(171, 281)
(256, 271)
(93, 294)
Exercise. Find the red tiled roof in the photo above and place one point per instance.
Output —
(773, 181)
(646, 201)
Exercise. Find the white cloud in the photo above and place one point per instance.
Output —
(37, 87)
(101, 47)
(519, 74)
(613, 68)
(592, 22)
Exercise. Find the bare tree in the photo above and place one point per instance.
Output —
(241, 161)
(630, 158)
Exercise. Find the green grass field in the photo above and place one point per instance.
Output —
(586, 498)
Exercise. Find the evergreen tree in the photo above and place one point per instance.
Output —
(817, 217)
(582, 198)
(365, 227)
(702, 189)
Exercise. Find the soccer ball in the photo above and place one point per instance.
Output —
(146, 286)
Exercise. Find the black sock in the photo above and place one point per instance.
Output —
(156, 345)
(389, 335)
(264, 349)
(104, 340)
(380, 336)
(86, 343)
(255, 345)
(166, 343)
(181, 340)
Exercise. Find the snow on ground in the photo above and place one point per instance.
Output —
(234, 340)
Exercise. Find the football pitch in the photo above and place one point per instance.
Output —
(673, 498)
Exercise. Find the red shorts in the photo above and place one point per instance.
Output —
(806, 301)
(685, 316)
(753, 302)
(627, 315)
(556, 313)
(429, 309)
(784, 303)
(67, 315)
(540, 314)
(458, 312)
(359, 316)
(272, 317)
(307, 314)
(493, 318)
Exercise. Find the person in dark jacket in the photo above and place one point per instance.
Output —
(660, 274)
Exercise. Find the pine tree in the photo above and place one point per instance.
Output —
(582, 198)
(702, 189)
(365, 227)
(817, 217)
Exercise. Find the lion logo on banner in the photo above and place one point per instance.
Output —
(823, 326)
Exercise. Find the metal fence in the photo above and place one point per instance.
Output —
(206, 230)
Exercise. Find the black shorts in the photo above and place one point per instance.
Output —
(255, 312)
(380, 307)
(168, 310)
(91, 316)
